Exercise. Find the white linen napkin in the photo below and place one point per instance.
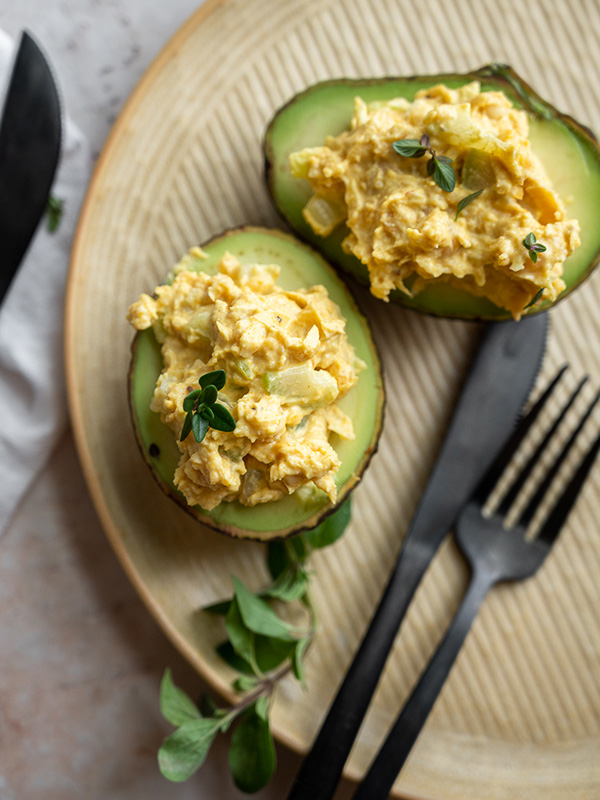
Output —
(33, 410)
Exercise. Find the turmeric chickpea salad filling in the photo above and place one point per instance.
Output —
(443, 189)
(287, 362)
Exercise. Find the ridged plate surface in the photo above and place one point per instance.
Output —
(520, 714)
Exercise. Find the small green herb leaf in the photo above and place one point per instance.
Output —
(290, 585)
(297, 659)
(222, 419)
(232, 659)
(182, 753)
(262, 706)
(207, 413)
(258, 616)
(534, 300)
(175, 705)
(199, 427)
(54, 213)
(467, 201)
(443, 174)
(245, 683)
(210, 395)
(277, 558)
(187, 426)
(215, 378)
(270, 652)
(533, 246)
(252, 758)
(409, 148)
(438, 166)
(190, 399)
(299, 549)
(332, 527)
(240, 635)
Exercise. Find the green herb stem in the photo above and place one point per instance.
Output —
(266, 687)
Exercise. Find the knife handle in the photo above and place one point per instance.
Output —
(321, 770)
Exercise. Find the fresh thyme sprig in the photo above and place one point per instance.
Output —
(203, 411)
(437, 166)
(262, 647)
(533, 246)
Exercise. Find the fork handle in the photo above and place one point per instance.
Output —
(379, 780)
(321, 770)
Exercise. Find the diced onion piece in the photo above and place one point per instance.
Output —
(324, 214)
(199, 325)
(302, 385)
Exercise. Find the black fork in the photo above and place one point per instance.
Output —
(495, 553)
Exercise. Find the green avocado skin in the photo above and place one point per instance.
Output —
(569, 151)
(300, 267)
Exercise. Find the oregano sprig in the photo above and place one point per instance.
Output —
(203, 411)
(437, 166)
(534, 247)
(262, 646)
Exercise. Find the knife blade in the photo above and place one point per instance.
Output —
(30, 138)
(495, 390)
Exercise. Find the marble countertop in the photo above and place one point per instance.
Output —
(81, 656)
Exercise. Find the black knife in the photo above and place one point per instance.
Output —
(30, 138)
(497, 386)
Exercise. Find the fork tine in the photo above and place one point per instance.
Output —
(560, 512)
(534, 503)
(512, 493)
(494, 473)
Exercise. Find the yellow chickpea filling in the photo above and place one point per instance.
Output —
(288, 362)
(409, 232)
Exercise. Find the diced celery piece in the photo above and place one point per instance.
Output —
(243, 370)
(478, 170)
(198, 326)
(302, 385)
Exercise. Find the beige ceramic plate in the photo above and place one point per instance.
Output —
(520, 715)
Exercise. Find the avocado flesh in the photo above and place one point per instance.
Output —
(569, 152)
(300, 267)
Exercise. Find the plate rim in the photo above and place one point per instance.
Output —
(211, 676)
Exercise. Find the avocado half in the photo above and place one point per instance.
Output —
(568, 150)
(300, 267)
